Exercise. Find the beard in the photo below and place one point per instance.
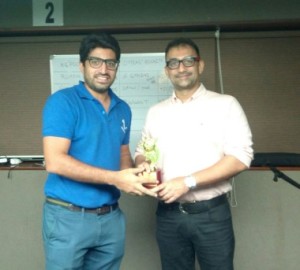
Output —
(100, 90)
(188, 83)
(96, 86)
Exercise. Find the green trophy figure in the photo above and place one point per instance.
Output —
(151, 154)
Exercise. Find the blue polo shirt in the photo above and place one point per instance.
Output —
(96, 138)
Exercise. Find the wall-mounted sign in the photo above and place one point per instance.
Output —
(47, 13)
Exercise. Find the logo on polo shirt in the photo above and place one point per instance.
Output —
(123, 126)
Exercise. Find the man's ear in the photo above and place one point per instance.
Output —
(166, 71)
(201, 66)
(81, 67)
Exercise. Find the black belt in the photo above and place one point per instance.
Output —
(193, 207)
(98, 211)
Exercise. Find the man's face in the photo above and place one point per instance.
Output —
(184, 78)
(99, 79)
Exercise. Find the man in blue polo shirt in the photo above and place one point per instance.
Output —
(86, 130)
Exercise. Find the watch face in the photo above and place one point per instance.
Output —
(190, 182)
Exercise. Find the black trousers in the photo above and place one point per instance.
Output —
(206, 234)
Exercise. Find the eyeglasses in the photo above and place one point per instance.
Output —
(96, 62)
(188, 61)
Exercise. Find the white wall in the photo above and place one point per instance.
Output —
(267, 222)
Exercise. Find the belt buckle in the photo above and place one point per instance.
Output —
(181, 207)
(72, 207)
(104, 210)
(182, 210)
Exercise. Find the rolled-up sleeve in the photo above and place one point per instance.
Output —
(238, 136)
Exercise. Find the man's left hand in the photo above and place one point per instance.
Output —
(171, 190)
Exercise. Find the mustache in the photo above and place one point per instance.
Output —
(101, 75)
(184, 73)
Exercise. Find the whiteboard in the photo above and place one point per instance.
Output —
(140, 81)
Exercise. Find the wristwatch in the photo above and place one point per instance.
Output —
(190, 181)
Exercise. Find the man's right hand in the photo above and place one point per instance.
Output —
(132, 181)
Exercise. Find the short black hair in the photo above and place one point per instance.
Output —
(101, 40)
(182, 42)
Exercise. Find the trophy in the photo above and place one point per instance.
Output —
(151, 154)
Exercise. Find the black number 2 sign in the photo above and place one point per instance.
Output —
(50, 8)
(47, 12)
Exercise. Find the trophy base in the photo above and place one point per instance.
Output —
(156, 175)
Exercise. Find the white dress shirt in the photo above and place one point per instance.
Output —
(196, 134)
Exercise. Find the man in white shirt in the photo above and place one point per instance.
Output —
(203, 139)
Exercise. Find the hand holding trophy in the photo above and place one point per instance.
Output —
(151, 154)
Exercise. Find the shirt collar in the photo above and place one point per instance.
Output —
(85, 94)
(199, 92)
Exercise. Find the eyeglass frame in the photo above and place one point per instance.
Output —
(194, 58)
(101, 61)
